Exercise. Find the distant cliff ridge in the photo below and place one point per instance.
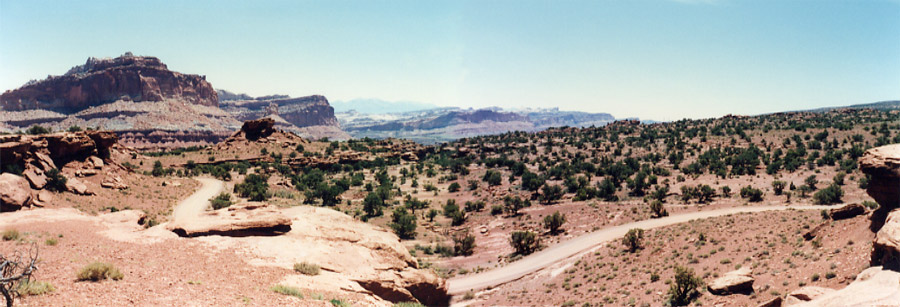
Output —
(100, 81)
(151, 106)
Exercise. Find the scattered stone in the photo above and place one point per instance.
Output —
(15, 192)
(113, 183)
(805, 294)
(35, 177)
(774, 302)
(815, 232)
(76, 186)
(739, 281)
(45, 196)
(96, 162)
(846, 212)
(85, 172)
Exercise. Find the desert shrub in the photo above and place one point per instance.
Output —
(37, 130)
(811, 181)
(554, 221)
(657, 208)
(512, 204)
(474, 205)
(74, 129)
(531, 181)
(51, 242)
(493, 178)
(287, 290)
(454, 187)
(524, 242)
(98, 271)
(778, 186)
(551, 193)
(403, 223)
(632, 239)
(496, 210)
(752, 194)
(55, 180)
(684, 289)
(464, 245)
(158, 169)
(830, 195)
(222, 200)
(32, 287)
(870, 204)
(372, 204)
(11, 235)
(255, 187)
(839, 178)
(306, 268)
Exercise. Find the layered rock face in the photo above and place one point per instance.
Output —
(100, 81)
(35, 155)
(310, 116)
(878, 285)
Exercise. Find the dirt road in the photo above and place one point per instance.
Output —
(191, 207)
(556, 253)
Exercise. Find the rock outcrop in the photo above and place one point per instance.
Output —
(255, 129)
(309, 116)
(805, 294)
(236, 221)
(47, 151)
(99, 81)
(886, 246)
(874, 286)
(739, 281)
(354, 256)
(883, 164)
(14, 192)
(846, 212)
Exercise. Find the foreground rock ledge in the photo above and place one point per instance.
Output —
(247, 219)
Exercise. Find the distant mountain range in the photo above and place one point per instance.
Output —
(378, 106)
(881, 105)
(446, 124)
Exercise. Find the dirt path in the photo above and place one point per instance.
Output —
(191, 207)
(556, 253)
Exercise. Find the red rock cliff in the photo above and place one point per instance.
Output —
(101, 81)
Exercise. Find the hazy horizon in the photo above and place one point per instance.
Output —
(659, 60)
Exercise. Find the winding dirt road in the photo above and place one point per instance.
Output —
(191, 207)
(561, 251)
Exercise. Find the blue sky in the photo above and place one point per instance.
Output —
(662, 59)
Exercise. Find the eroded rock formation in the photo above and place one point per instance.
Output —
(99, 81)
(237, 220)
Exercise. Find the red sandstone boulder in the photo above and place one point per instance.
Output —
(14, 192)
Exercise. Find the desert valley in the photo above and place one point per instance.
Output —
(450, 153)
(125, 183)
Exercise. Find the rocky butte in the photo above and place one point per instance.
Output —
(100, 81)
(149, 106)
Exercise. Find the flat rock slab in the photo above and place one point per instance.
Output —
(247, 219)
(739, 281)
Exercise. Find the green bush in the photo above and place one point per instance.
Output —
(255, 187)
(554, 221)
(632, 239)
(830, 195)
(307, 268)
(37, 130)
(222, 200)
(403, 223)
(752, 194)
(684, 289)
(454, 187)
(32, 287)
(55, 180)
(496, 210)
(98, 271)
(464, 245)
(11, 235)
(657, 208)
(778, 186)
(287, 290)
(524, 242)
